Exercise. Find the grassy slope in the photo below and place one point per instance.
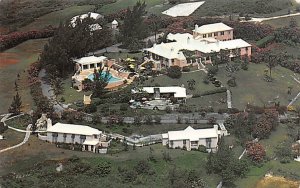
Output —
(256, 173)
(282, 22)
(253, 89)
(122, 4)
(25, 54)
(54, 18)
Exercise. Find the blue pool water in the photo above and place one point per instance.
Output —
(111, 78)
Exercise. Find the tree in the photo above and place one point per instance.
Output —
(174, 72)
(255, 151)
(293, 23)
(15, 107)
(134, 29)
(155, 24)
(284, 151)
(101, 78)
(191, 84)
(262, 129)
(271, 62)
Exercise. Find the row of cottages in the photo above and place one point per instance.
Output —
(191, 138)
(90, 138)
(207, 39)
(176, 92)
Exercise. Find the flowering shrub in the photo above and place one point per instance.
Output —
(255, 151)
(15, 38)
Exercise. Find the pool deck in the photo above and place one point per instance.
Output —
(111, 85)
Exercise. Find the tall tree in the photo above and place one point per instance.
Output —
(155, 24)
(271, 62)
(101, 78)
(16, 104)
(134, 28)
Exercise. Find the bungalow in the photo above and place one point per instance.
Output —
(92, 15)
(91, 139)
(191, 138)
(177, 92)
(187, 50)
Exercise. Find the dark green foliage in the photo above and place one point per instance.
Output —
(225, 164)
(211, 92)
(262, 43)
(103, 169)
(212, 70)
(2, 128)
(134, 29)
(143, 167)
(91, 108)
(100, 82)
(124, 107)
(174, 72)
(15, 107)
(284, 151)
(202, 148)
(231, 82)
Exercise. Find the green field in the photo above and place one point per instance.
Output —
(16, 61)
(251, 87)
(54, 18)
(152, 6)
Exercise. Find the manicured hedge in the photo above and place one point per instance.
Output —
(262, 43)
(211, 92)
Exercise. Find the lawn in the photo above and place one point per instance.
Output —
(152, 6)
(11, 138)
(13, 62)
(128, 160)
(54, 18)
(282, 22)
(251, 87)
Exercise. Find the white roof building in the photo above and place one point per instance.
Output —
(115, 22)
(191, 134)
(92, 15)
(179, 92)
(173, 50)
(191, 138)
(73, 129)
(211, 28)
(90, 60)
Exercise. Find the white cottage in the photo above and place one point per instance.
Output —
(191, 138)
(90, 138)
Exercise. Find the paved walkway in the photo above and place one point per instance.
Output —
(27, 135)
(229, 102)
(271, 18)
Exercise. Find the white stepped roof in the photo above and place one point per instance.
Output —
(95, 27)
(211, 28)
(193, 134)
(90, 60)
(179, 92)
(92, 15)
(167, 50)
(73, 129)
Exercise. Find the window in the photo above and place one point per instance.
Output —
(204, 36)
(85, 67)
(65, 137)
(92, 66)
(54, 137)
(194, 143)
(216, 34)
(73, 138)
(228, 32)
(222, 32)
(184, 142)
(210, 35)
(171, 143)
(208, 142)
(246, 48)
(95, 136)
(82, 138)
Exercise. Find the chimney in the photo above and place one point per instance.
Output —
(49, 123)
(216, 126)
(188, 40)
(196, 27)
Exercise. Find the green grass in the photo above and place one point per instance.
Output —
(282, 22)
(123, 4)
(251, 87)
(276, 137)
(183, 160)
(23, 55)
(11, 138)
(54, 18)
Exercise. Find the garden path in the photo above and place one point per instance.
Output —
(271, 18)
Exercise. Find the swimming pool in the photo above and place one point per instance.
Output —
(111, 78)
